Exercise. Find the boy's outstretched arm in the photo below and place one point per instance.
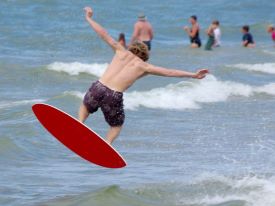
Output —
(100, 30)
(155, 70)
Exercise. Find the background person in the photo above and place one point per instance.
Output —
(143, 31)
(194, 32)
(217, 33)
(211, 37)
(247, 37)
(271, 30)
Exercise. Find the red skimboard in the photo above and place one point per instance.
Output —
(78, 137)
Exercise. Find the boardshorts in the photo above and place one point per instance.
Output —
(148, 44)
(110, 102)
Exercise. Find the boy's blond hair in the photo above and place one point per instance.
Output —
(140, 50)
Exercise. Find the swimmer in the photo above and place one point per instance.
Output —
(193, 32)
(247, 37)
(217, 33)
(143, 31)
(271, 30)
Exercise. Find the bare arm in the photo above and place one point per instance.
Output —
(155, 70)
(191, 32)
(135, 33)
(100, 30)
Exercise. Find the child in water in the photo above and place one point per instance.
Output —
(247, 37)
(271, 30)
(211, 37)
(217, 33)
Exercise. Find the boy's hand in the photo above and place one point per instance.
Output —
(200, 74)
(89, 12)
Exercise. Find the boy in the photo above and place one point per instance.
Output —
(217, 33)
(247, 37)
(126, 67)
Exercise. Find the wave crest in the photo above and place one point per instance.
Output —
(189, 95)
(75, 68)
(264, 68)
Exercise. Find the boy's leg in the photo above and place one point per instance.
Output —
(113, 133)
(83, 113)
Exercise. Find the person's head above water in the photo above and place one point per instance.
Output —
(245, 29)
(270, 28)
(193, 19)
(140, 50)
(216, 22)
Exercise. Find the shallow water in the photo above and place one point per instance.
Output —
(187, 142)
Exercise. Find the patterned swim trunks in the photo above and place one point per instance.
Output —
(110, 102)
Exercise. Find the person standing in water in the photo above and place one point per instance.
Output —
(217, 33)
(271, 30)
(143, 31)
(211, 37)
(122, 40)
(194, 32)
(247, 38)
(126, 67)
(214, 36)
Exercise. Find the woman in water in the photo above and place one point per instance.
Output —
(194, 32)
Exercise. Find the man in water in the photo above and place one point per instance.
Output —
(126, 67)
(143, 31)
(247, 37)
(193, 32)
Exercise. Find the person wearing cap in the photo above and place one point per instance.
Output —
(143, 31)
(271, 30)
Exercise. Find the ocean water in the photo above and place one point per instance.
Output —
(187, 142)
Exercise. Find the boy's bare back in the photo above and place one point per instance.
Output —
(123, 71)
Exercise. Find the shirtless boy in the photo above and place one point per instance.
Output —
(126, 67)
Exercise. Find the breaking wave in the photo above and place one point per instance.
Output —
(264, 68)
(75, 68)
(190, 94)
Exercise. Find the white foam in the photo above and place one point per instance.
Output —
(8, 104)
(190, 94)
(265, 68)
(252, 190)
(267, 89)
(75, 68)
(187, 95)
